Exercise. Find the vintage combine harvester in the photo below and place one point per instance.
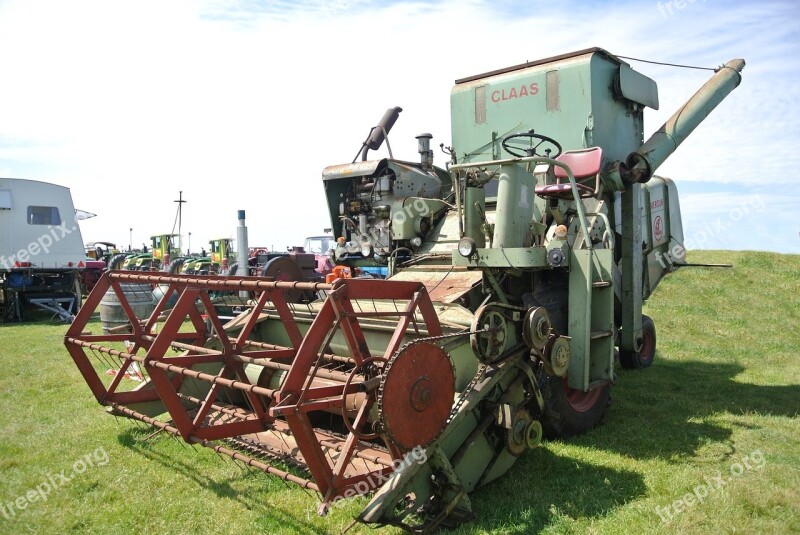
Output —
(515, 275)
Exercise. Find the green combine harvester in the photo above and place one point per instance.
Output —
(513, 278)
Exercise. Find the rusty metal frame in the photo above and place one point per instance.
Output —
(286, 409)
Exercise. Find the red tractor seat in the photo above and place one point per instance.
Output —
(584, 163)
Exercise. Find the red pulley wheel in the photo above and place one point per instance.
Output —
(416, 394)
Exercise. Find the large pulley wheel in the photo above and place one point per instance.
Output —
(536, 328)
(284, 269)
(416, 395)
(489, 338)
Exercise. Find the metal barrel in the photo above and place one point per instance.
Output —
(138, 296)
(663, 143)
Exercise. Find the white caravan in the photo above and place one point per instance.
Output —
(41, 249)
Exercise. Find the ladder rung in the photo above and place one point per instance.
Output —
(600, 334)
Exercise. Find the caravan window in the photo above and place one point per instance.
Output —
(43, 215)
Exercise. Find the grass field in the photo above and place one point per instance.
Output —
(706, 440)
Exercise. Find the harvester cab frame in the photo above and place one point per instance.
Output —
(508, 291)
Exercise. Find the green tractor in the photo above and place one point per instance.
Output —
(138, 261)
(163, 248)
(221, 256)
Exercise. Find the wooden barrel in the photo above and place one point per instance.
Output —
(139, 298)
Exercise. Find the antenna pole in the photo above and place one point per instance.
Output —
(180, 202)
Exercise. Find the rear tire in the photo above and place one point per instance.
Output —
(567, 412)
(633, 360)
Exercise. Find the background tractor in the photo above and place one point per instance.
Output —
(98, 254)
(513, 277)
(163, 249)
(218, 259)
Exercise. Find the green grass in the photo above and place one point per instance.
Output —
(725, 386)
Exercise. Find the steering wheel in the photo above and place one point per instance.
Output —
(532, 149)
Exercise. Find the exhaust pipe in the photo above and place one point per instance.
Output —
(242, 252)
(378, 133)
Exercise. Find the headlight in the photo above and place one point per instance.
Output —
(416, 241)
(366, 250)
(467, 247)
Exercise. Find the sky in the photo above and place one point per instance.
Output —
(240, 105)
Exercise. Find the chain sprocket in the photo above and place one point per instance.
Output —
(416, 394)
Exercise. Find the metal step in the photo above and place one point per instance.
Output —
(596, 335)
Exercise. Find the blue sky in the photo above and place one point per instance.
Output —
(242, 104)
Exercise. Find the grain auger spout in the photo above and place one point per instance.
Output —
(643, 163)
(473, 310)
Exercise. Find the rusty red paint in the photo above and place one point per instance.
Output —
(169, 352)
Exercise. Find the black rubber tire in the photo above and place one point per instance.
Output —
(567, 412)
(570, 412)
(636, 360)
(176, 266)
(116, 261)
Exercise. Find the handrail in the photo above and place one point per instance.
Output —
(608, 230)
(550, 161)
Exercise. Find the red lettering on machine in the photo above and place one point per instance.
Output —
(529, 90)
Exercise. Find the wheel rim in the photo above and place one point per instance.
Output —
(580, 401)
(647, 352)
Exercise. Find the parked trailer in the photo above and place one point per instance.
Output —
(41, 250)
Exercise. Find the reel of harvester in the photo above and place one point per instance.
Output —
(207, 380)
(393, 380)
